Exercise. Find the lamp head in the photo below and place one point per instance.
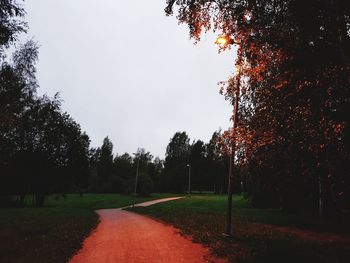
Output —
(223, 41)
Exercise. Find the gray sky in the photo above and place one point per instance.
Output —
(126, 70)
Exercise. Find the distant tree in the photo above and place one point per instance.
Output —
(176, 160)
(94, 156)
(178, 147)
(145, 185)
(199, 172)
(78, 158)
(144, 158)
(143, 161)
(217, 163)
(155, 170)
(105, 162)
(123, 166)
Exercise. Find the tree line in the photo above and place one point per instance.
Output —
(109, 173)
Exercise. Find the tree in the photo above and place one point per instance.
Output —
(155, 170)
(145, 185)
(123, 166)
(216, 163)
(200, 178)
(11, 24)
(102, 168)
(178, 148)
(78, 157)
(176, 159)
(55, 148)
(42, 149)
(294, 59)
(105, 162)
(142, 162)
(124, 169)
(49, 153)
(143, 158)
(17, 101)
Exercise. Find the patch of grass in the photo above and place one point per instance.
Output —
(55, 232)
(100, 201)
(203, 217)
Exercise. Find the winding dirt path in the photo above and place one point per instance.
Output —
(124, 236)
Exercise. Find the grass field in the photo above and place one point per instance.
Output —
(258, 235)
(54, 232)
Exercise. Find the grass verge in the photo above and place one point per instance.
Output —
(55, 232)
(203, 217)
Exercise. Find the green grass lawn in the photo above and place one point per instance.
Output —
(203, 217)
(54, 232)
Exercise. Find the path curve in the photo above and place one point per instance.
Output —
(124, 236)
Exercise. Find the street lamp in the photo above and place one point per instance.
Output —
(189, 179)
(224, 41)
(137, 173)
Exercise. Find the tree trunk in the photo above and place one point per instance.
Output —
(21, 199)
(39, 200)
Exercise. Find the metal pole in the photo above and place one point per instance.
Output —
(232, 157)
(137, 174)
(229, 198)
(189, 179)
(320, 197)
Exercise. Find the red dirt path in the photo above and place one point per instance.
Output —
(123, 236)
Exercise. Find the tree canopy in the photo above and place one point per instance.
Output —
(42, 149)
(293, 134)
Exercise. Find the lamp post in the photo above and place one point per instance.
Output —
(189, 179)
(137, 174)
(224, 41)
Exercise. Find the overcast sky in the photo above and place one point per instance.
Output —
(125, 70)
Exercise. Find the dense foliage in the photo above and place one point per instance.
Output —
(206, 163)
(118, 173)
(293, 135)
(42, 149)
